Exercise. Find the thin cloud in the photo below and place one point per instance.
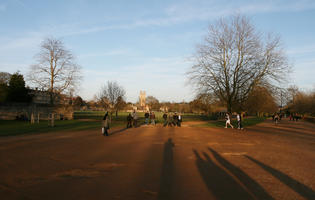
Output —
(302, 50)
(206, 10)
(114, 52)
(190, 11)
(2, 7)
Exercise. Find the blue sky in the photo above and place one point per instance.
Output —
(146, 45)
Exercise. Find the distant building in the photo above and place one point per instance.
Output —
(40, 97)
(142, 98)
(43, 97)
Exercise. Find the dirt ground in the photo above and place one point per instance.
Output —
(261, 162)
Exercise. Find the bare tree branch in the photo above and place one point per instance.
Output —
(234, 58)
(56, 70)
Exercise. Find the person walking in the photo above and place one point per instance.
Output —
(175, 119)
(105, 124)
(169, 119)
(239, 121)
(276, 118)
(165, 119)
(146, 118)
(152, 118)
(129, 120)
(179, 120)
(228, 121)
(135, 118)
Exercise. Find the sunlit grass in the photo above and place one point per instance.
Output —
(20, 127)
(85, 120)
(250, 121)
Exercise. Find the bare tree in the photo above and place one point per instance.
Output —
(56, 70)
(234, 58)
(112, 95)
(153, 102)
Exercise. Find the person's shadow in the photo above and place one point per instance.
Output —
(167, 171)
(300, 188)
(117, 131)
(218, 181)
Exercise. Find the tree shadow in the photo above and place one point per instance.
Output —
(256, 190)
(167, 171)
(218, 181)
(295, 185)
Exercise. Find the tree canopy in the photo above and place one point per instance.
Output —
(234, 58)
(17, 92)
(56, 70)
(112, 96)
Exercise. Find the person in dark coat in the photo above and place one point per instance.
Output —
(170, 120)
(175, 119)
(105, 124)
(276, 118)
(129, 121)
(146, 118)
(165, 119)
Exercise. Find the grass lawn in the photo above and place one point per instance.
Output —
(92, 120)
(250, 121)
(123, 115)
(10, 128)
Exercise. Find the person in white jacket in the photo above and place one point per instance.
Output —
(228, 121)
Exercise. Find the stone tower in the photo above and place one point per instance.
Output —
(142, 99)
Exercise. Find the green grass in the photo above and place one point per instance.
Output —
(92, 120)
(250, 121)
(83, 120)
(10, 128)
(123, 115)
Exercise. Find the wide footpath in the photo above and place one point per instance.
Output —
(261, 162)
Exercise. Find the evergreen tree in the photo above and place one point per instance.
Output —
(17, 92)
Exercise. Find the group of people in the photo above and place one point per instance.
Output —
(277, 117)
(294, 117)
(239, 118)
(132, 119)
(172, 119)
(151, 116)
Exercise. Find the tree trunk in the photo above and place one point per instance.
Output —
(229, 106)
(51, 98)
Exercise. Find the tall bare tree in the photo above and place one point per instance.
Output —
(234, 58)
(112, 95)
(56, 70)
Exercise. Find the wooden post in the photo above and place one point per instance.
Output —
(37, 118)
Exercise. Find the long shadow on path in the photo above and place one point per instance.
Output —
(252, 186)
(295, 185)
(117, 131)
(167, 171)
(219, 182)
